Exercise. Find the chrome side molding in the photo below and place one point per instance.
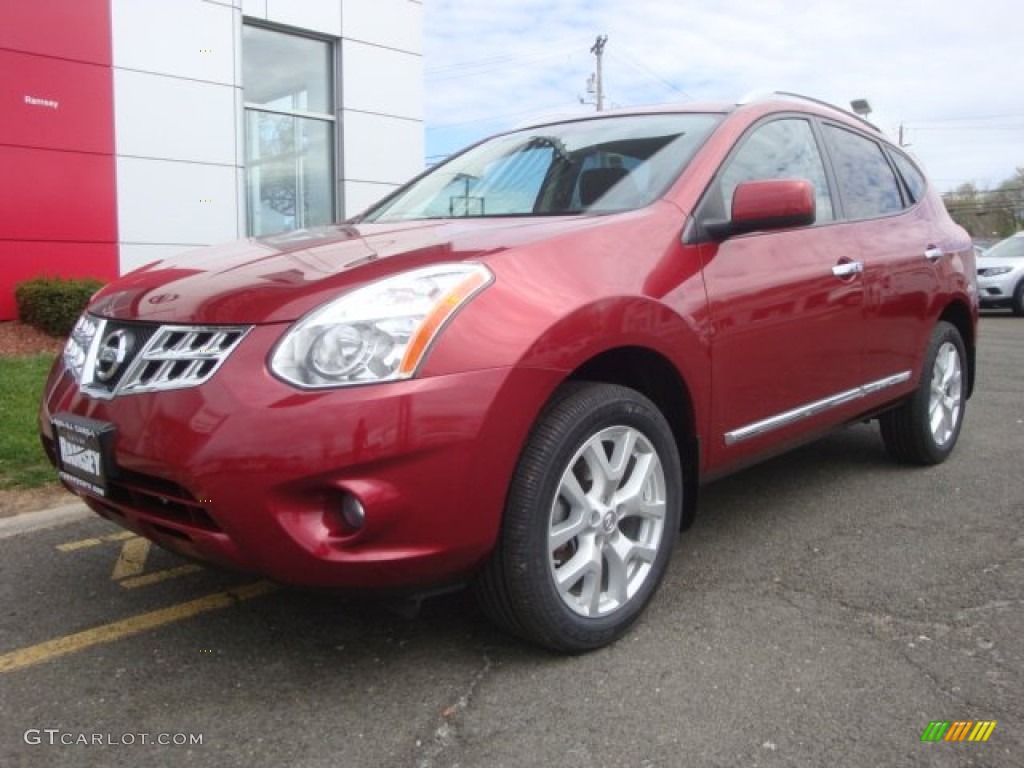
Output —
(813, 409)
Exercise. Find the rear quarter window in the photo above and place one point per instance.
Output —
(867, 183)
(912, 177)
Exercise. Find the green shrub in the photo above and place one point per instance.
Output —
(53, 304)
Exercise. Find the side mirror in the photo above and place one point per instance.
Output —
(766, 205)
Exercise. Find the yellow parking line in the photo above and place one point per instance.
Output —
(108, 633)
(132, 560)
(71, 546)
(157, 576)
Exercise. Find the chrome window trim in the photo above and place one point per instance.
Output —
(772, 423)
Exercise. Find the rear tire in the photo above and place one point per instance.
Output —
(590, 521)
(924, 429)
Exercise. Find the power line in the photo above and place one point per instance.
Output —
(495, 118)
(977, 128)
(634, 62)
(505, 57)
(962, 119)
(482, 66)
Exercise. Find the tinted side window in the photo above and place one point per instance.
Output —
(782, 149)
(867, 183)
(912, 177)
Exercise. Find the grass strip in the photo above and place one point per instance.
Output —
(22, 461)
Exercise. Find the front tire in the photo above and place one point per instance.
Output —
(590, 520)
(924, 429)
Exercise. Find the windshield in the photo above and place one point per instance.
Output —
(597, 165)
(1010, 248)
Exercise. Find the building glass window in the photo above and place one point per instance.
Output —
(289, 130)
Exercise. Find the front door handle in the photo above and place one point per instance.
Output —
(933, 253)
(848, 269)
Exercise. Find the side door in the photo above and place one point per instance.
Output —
(899, 250)
(785, 306)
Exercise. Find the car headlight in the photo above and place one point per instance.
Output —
(993, 271)
(380, 332)
(76, 349)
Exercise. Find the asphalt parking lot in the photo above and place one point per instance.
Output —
(826, 607)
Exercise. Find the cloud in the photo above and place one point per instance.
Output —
(945, 70)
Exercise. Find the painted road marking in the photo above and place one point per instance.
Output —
(130, 566)
(157, 576)
(109, 633)
(71, 546)
(132, 560)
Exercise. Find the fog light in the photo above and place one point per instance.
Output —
(352, 512)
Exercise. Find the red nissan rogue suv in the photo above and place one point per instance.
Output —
(516, 371)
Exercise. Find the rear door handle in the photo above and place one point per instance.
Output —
(933, 253)
(848, 268)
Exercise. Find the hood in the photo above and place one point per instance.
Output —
(987, 262)
(280, 278)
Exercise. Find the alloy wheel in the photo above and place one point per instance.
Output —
(607, 521)
(946, 394)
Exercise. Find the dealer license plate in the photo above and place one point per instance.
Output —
(84, 457)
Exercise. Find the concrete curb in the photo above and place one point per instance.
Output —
(46, 518)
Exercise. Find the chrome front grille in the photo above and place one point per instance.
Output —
(115, 357)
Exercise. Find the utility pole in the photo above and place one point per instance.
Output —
(598, 51)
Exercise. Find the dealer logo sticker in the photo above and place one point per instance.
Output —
(959, 730)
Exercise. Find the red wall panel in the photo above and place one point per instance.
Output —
(58, 203)
(55, 103)
(67, 29)
(52, 195)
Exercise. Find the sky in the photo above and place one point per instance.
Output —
(948, 71)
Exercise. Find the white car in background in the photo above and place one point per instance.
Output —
(1001, 275)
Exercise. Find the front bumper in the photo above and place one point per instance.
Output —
(997, 291)
(248, 473)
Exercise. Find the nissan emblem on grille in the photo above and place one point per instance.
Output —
(112, 353)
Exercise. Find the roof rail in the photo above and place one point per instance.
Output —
(765, 95)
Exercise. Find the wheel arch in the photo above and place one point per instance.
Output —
(959, 316)
(654, 376)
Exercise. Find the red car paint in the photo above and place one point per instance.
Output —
(248, 471)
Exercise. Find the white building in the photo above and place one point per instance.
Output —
(149, 127)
